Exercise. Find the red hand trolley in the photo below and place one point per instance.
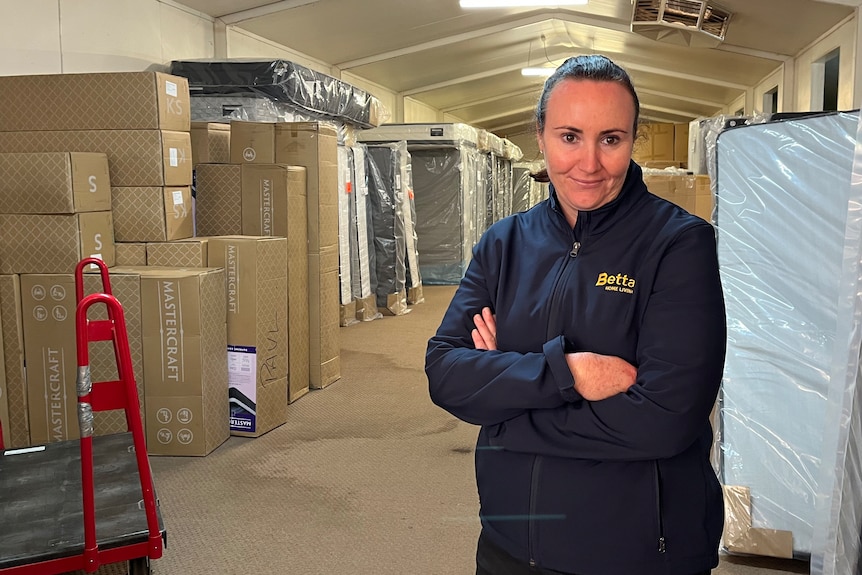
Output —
(52, 520)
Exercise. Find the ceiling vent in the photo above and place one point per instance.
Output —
(695, 23)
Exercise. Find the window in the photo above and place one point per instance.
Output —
(824, 82)
(770, 101)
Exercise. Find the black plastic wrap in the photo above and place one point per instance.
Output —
(282, 81)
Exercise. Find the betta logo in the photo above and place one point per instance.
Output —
(618, 283)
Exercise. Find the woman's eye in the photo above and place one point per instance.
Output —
(611, 140)
(569, 138)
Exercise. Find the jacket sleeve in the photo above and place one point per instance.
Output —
(486, 387)
(680, 359)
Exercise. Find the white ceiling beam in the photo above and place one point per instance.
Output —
(541, 17)
(498, 97)
(755, 53)
(243, 15)
(672, 111)
(629, 66)
(510, 112)
(462, 79)
(530, 124)
(680, 97)
(854, 3)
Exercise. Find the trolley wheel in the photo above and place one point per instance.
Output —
(139, 566)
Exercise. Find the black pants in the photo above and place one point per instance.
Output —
(491, 560)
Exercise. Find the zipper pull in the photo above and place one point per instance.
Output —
(576, 247)
(661, 545)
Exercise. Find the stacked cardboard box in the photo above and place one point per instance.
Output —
(314, 146)
(691, 192)
(256, 289)
(659, 145)
(66, 140)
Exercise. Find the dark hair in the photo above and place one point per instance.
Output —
(586, 67)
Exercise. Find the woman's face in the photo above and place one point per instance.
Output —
(587, 142)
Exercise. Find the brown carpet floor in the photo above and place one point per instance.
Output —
(367, 477)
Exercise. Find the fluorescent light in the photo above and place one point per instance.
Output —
(519, 3)
(546, 72)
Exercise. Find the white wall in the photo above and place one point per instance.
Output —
(51, 36)
(417, 112)
(844, 39)
(767, 84)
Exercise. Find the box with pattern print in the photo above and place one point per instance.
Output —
(54, 183)
(95, 101)
(257, 335)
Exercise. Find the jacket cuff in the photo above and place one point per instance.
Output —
(555, 355)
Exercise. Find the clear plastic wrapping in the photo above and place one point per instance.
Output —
(345, 232)
(445, 172)
(788, 216)
(283, 81)
(383, 170)
(362, 241)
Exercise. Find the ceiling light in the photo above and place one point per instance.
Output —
(545, 72)
(520, 3)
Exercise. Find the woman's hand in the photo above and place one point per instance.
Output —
(599, 377)
(485, 332)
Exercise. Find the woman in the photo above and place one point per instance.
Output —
(587, 338)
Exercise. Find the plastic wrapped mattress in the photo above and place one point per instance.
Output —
(789, 222)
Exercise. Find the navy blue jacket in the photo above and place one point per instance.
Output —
(621, 486)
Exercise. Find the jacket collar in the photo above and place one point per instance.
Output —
(601, 218)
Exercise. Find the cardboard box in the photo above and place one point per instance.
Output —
(13, 357)
(210, 143)
(314, 146)
(680, 142)
(101, 101)
(130, 254)
(655, 141)
(55, 243)
(252, 142)
(190, 253)
(289, 220)
(185, 364)
(135, 157)
(48, 309)
(126, 287)
(218, 199)
(257, 333)
(152, 214)
(4, 403)
(54, 183)
(690, 192)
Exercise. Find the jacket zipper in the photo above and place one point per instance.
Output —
(531, 522)
(662, 544)
(576, 247)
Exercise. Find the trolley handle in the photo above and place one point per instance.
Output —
(79, 276)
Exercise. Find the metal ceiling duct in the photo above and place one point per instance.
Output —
(695, 23)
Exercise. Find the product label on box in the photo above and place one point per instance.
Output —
(171, 88)
(174, 157)
(242, 387)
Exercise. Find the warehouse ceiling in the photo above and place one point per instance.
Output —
(467, 61)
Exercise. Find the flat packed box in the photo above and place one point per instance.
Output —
(185, 363)
(130, 254)
(100, 101)
(189, 253)
(218, 199)
(135, 157)
(314, 146)
(126, 287)
(4, 403)
(287, 196)
(54, 243)
(257, 333)
(13, 358)
(152, 213)
(54, 183)
(48, 309)
(210, 143)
